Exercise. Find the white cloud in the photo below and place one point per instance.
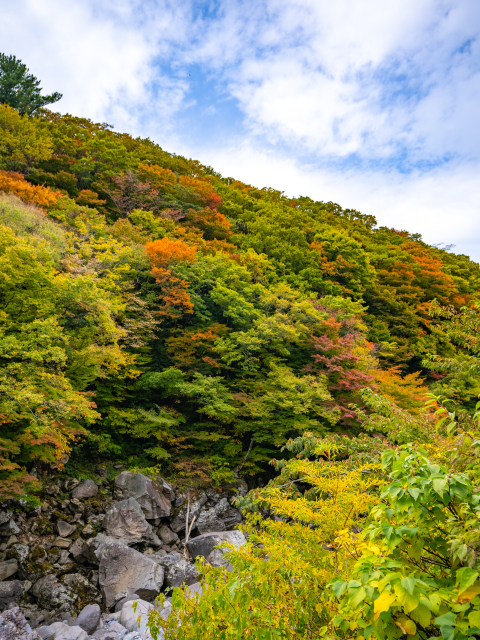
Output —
(385, 82)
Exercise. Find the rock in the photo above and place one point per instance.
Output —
(193, 589)
(14, 626)
(63, 543)
(221, 517)
(89, 617)
(204, 545)
(87, 489)
(8, 568)
(65, 632)
(167, 560)
(94, 548)
(64, 557)
(79, 584)
(181, 572)
(124, 571)
(46, 632)
(114, 631)
(9, 528)
(167, 536)
(12, 591)
(70, 484)
(120, 603)
(125, 521)
(51, 594)
(130, 614)
(219, 558)
(179, 521)
(5, 516)
(65, 529)
(153, 496)
(77, 549)
(88, 530)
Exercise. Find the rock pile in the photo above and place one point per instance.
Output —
(71, 569)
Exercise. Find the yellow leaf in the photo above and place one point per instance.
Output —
(383, 603)
(469, 593)
(407, 626)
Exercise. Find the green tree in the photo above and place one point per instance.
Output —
(20, 89)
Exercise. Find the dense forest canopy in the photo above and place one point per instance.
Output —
(156, 313)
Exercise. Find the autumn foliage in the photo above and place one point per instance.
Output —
(15, 183)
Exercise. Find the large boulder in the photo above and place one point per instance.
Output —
(204, 545)
(181, 572)
(92, 550)
(64, 529)
(14, 626)
(79, 584)
(125, 521)
(131, 611)
(124, 571)
(154, 496)
(167, 535)
(179, 522)
(89, 617)
(220, 517)
(65, 632)
(52, 595)
(87, 489)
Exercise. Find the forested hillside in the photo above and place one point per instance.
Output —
(157, 313)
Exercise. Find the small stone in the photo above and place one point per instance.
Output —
(11, 540)
(64, 557)
(63, 543)
(65, 529)
(5, 516)
(88, 530)
(87, 489)
(65, 632)
(8, 568)
(46, 632)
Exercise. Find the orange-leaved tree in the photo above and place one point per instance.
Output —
(15, 183)
(203, 189)
(165, 253)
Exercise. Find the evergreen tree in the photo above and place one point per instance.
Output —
(19, 88)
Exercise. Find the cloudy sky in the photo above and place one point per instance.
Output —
(372, 104)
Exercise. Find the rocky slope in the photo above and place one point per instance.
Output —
(70, 569)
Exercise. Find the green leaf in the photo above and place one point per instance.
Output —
(465, 578)
(408, 600)
(447, 619)
(439, 485)
(357, 597)
(338, 587)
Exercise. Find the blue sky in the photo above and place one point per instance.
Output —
(371, 104)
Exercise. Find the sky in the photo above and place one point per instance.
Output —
(373, 104)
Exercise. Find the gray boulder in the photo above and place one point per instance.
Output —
(5, 516)
(14, 626)
(167, 536)
(125, 521)
(89, 617)
(153, 496)
(131, 613)
(12, 591)
(219, 518)
(181, 572)
(65, 529)
(52, 595)
(79, 584)
(8, 568)
(120, 603)
(124, 571)
(87, 489)
(179, 522)
(94, 548)
(115, 631)
(65, 632)
(219, 558)
(204, 545)
(46, 632)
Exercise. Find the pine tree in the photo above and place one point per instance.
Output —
(19, 88)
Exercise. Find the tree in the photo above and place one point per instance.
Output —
(20, 89)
